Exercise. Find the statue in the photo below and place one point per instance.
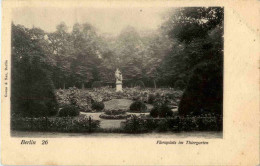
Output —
(119, 80)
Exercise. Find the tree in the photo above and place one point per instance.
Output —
(32, 90)
(61, 51)
(157, 47)
(86, 58)
(131, 55)
(190, 30)
(197, 57)
(204, 93)
(108, 67)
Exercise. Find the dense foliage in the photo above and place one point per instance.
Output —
(204, 93)
(32, 92)
(200, 31)
(85, 98)
(139, 124)
(98, 106)
(151, 99)
(84, 58)
(58, 124)
(138, 106)
(186, 53)
(161, 110)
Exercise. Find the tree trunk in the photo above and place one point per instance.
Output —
(154, 83)
(82, 86)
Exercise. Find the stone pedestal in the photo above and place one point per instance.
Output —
(119, 86)
(119, 79)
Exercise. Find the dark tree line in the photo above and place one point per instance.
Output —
(186, 52)
(32, 89)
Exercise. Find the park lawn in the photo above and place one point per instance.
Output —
(123, 104)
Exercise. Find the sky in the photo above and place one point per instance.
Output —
(106, 20)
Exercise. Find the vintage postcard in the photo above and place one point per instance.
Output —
(130, 82)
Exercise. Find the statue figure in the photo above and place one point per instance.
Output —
(119, 79)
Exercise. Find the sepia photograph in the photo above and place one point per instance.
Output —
(130, 82)
(138, 72)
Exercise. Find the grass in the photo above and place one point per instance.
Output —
(123, 104)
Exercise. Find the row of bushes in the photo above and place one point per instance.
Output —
(58, 124)
(69, 111)
(133, 124)
(139, 125)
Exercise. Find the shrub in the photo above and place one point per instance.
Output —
(150, 124)
(162, 110)
(209, 124)
(98, 106)
(69, 110)
(138, 106)
(165, 111)
(32, 88)
(163, 125)
(151, 98)
(204, 91)
(189, 124)
(154, 112)
(134, 124)
(73, 98)
(174, 123)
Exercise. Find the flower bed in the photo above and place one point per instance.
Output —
(121, 116)
(114, 114)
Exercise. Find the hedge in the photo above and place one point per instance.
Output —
(57, 124)
(69, 110)
(140, 125)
